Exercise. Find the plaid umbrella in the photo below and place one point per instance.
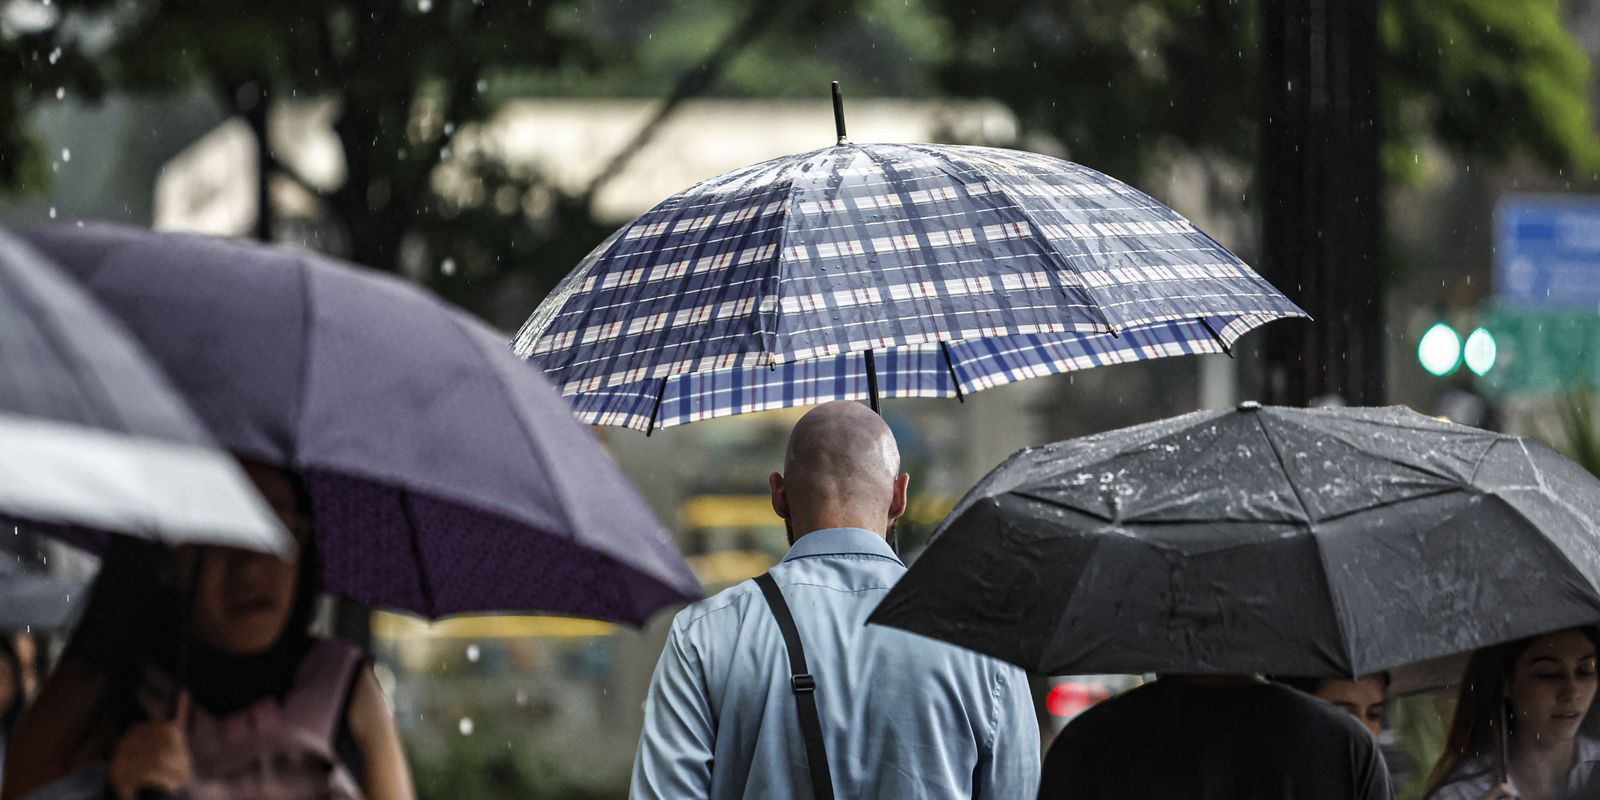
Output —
(893, 270)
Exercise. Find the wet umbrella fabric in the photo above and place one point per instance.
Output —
(445, 475)
(947, 269)
(1330, 542)
(93, 439)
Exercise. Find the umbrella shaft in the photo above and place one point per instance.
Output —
(872, 382)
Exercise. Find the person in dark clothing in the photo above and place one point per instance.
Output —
(1214, 738)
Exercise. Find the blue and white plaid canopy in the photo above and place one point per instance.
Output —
(959, 268)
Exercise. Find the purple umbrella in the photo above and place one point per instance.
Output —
(446, 476)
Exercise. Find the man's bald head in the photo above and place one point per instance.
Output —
(841, 470)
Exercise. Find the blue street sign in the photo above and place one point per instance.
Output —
(1547, 250)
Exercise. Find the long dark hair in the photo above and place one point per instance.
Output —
(1483, 683)
(138, 609)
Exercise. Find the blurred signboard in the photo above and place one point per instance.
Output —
(1541, 350)
(1547, 251)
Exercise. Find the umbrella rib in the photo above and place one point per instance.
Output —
(528, 439)
(1316, 541)
(1283, 467)
(783, 242)
(307, 313)
(414, 539)
(52, 336)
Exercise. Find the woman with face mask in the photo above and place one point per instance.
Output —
(1544, 688)
(194, 675)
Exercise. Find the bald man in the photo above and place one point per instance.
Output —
(900, 716)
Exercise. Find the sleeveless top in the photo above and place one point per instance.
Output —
(280, 747)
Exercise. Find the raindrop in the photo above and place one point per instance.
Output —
(466, 726)
(424, 6)
(61, 93)
(66, 155)
(448, 267)
(483, 86)
(449, 128)
(55, 55)
(52, 212)
(472, 649)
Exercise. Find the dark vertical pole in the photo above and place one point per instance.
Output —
(253, 104)
(872, 381)
(1320, 187)
(838, 113)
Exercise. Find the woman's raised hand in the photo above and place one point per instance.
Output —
(153, 755)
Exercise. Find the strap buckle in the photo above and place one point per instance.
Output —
(802, 683)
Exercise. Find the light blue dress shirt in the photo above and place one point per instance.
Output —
(902, 716)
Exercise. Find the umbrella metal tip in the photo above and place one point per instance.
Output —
(1250, 405)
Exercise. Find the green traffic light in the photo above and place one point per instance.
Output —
(1480, 351)
(1439, 352)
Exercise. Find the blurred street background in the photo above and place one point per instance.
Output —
(1419, 175)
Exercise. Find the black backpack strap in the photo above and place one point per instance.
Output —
(804, 687)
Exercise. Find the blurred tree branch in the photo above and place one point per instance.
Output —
(758, 18)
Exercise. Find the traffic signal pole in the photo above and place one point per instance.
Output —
(1320, 185)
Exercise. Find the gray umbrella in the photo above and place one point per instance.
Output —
(445, 475)
(91, 435)
(1288, 541)
(35, 601)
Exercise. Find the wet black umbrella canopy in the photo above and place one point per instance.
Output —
(1313, 542)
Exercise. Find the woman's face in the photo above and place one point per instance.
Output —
(1552, 686)
(244, 599)
(1361, 698)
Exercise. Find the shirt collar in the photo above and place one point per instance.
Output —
(841, 541)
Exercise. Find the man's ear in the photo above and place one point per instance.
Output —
(780, 500)
(897, 501)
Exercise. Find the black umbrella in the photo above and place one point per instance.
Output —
(1286, 541)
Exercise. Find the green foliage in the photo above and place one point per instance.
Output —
(1421, 730)
(1579, 437)
(1124, 84)
(489, 765)
(1487, 78)
(40, 61)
